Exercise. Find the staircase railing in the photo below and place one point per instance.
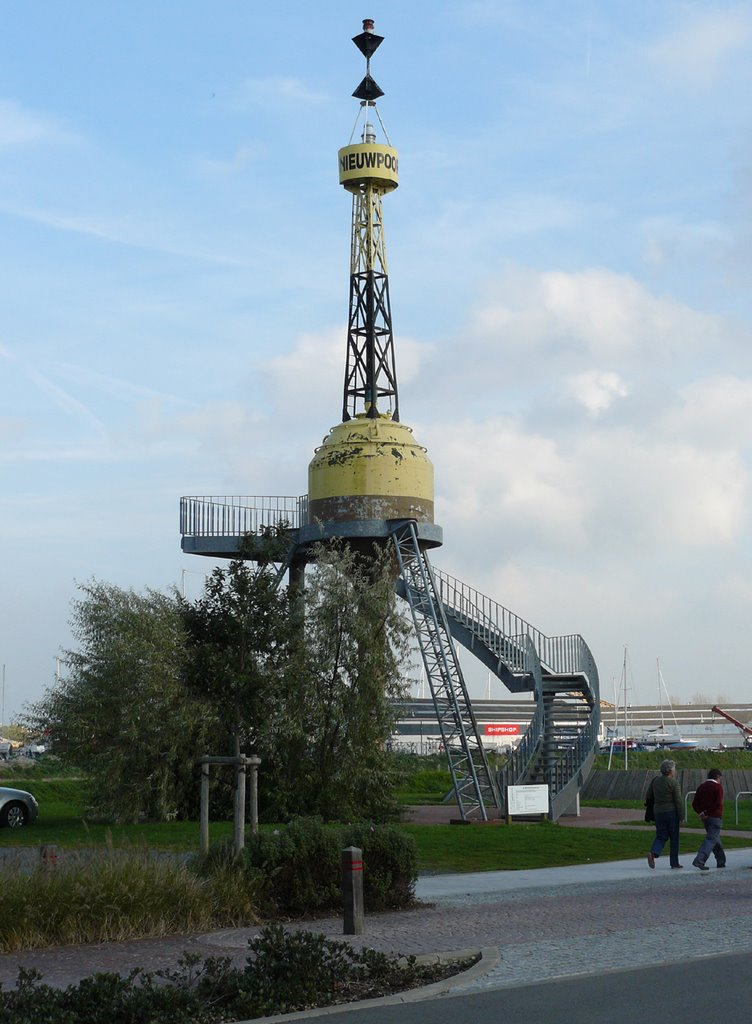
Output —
(504, 632)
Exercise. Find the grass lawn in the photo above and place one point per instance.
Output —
(441, 848)
(450, 848)
(729, 823)
(62, 822)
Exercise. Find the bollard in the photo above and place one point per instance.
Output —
(48, 857)
(352, 890)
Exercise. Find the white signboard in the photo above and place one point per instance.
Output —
(527, 800)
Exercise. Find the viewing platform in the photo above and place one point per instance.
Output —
(225, 526)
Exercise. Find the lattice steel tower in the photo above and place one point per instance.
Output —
(370, 480)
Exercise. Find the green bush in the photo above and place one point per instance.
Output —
(284, 973)
(298, 867)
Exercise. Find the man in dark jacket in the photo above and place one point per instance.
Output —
(708, 803)
(669, 814)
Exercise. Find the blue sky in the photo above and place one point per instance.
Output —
(570, 260)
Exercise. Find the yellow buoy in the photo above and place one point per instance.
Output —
(370, 468)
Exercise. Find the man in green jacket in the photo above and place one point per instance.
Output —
(669, 814)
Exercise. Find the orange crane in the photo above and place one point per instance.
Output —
(745, 730)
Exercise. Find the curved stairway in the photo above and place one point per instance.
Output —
(560, 743)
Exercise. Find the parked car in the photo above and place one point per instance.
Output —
(31, 750)
(17, 808)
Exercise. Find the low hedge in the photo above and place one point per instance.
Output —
(297, 868)
(301, 865)
(285, 972)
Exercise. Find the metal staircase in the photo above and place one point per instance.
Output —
(560, 742)
(473, 782)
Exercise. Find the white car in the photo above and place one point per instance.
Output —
(17, 808)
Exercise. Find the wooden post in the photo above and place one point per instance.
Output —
(48, 856)
(253, 763)
(239, 822)
(204, 810)
(352, 890)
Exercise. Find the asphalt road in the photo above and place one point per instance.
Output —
(699, 991)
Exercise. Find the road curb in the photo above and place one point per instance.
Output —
(489, 957)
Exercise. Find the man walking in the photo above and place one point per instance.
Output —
(708, 803)
(669, 814)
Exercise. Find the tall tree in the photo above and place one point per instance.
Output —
(120, 710)
(356, 648)
(239, 637)
(306, 682)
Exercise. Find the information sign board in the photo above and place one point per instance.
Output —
(527, 800)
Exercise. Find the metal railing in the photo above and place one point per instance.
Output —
(686, 803)
(504, 632)
(742, 792)
(234, 516)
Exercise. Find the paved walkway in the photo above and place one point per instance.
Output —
(548, 923)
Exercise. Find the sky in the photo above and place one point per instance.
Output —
(570, 260)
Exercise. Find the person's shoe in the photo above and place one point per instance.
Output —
(677, 866)
(720, 865)
(651, 859)
(697, 864)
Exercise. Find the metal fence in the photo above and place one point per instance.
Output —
(234, 515)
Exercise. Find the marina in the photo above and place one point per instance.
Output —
(502, 723)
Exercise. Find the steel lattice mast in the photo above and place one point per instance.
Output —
(370, 373)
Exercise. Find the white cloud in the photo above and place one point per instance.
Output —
(596, 390)
(275, 89)
(138, 233)
(714, 411)
(495, 481)
(697, 50)
(244, 155)
(649, 493)
(68, 403)
(667, 239)
(594, 313)
(309, 378)
(20, 127)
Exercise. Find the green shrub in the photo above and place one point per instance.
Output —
(646, 760)
(297, 869)
(285, 972)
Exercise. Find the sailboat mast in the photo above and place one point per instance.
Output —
(626, 743)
